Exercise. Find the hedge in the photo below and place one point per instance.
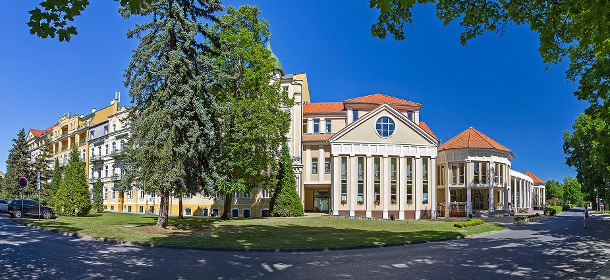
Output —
(469, 223)
(567, 207)
(552, 210)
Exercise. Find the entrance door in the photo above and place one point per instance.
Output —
(481, 199)
(321, 201)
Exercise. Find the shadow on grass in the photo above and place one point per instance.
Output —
(57, 225)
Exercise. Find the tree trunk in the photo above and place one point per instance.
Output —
(180, 216)
(163, 211)
(226, 215)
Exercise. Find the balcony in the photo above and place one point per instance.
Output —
(63, 162)
(116, 153)
(93, 180)
(116, 177)
(95, 158)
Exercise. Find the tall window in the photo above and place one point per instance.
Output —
(484, 173)
(328, 126)
(457, 173)
(355, 114)
(360, 180)
(314, 166)
(113, 147)
(343, 180)
(409, 180)
(424, 164)
(327, 165)
(440, 177)
(377, 181)
(461, 169)
(501, 167)
(316, 126)
(477, 173)
(496, 173)
(393, 175)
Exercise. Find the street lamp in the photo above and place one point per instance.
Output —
(596, 198)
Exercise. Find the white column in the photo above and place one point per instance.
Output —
(447, 192)
(368, 196)
(322, 128)
(309, 126)
(521, 196)
(353, 184)
(320, 163)
(467, 181)
(506, 190)
(308, 164)
(416, 117)
(386, 185)
(432, 187)
(491, 186)
(417, 186)
(336, 185)
(350, 116)
(402, 182)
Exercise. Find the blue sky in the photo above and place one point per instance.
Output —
(496, 84)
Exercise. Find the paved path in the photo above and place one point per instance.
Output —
(554, 248)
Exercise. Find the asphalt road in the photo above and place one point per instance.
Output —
(555, 248)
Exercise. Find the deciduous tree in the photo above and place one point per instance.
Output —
(572, 191)
(253, 121)
(553, 190)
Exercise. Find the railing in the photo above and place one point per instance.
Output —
(116, 177)
(95, 158)
(92, 180)
(116, 152)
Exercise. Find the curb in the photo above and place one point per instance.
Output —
(266, 250)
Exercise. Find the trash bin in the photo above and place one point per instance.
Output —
(392, 217)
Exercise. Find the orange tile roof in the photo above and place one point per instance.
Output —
(472, 138)
(325, 107)
(37, 133)
(536, 179)
(316, 137)
(379, 98)
(425, 127)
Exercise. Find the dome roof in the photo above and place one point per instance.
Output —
(276, 61)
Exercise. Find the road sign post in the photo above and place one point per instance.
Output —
(39, 202)
(23, 182)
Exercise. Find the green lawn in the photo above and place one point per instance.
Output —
(259, 233)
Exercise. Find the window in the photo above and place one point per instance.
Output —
(457, 173)
(105, 129)
(129, 209)
(246, 213)
(113, 127)
(409, 180)
(113, 147)
(484, 173)
(265, 213)
(106, 171)
(236, 195)
(316, 126)
(496, 173)
(205, 212)
(343, 180)
(106, 150)
(328, 126)
(377, 182)
(501, 167)
(355, 115)
(327, 165)
(424, 164)
(285, 88)
(314, 166)
(477, 173)
(235, 213)
(142, 194)
(151, 209)
(247, 194)
(92, 134)
(385, 127)
(440, 177)
(360, 180)
(265, 193)
(129, 195)
(393, 196)
(111, 207)
(215, 212)
(141, 209)
(188, 212)
(113, 194)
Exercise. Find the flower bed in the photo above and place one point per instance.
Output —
(524, 219)
(469, 223)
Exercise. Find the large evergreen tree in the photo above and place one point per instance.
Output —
(42, 164)
(18, 165)
(285, 201)
(172, 127)
(253, 122)
(98, 196)
(72, 198)
(56, 179)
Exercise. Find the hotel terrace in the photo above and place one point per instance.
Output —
(369, 156)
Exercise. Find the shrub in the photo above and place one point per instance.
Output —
(567, 207)
(554, 202)
(285, 201)
(469, 223)
(528, 217)
(552, 210)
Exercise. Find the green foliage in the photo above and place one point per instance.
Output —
(17, 166)
(173, 131)
(55, 182)
(552, 210)
(567, 207)
(572, 191)
(53, 16)
(527, 218)
(41, 164)
(554, 202)
(553, 190)
(253, 124)
(285, 201)
(470, 223)
(98, 196)
(72, 198)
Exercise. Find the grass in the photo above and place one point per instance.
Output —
(260, 233)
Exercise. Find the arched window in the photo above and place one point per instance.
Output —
(265, 213)
(246, 213)
(235, 213)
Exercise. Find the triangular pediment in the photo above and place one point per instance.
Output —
(365, 129)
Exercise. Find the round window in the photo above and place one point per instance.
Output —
(385, 127)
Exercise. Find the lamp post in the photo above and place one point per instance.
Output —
(597, 198)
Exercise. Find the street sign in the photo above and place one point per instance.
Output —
(23, 182)
(38, 180)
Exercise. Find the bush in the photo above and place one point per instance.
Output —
(469, 223)
(552, 210)
(528, 217)
(554, 202)
(285, 201)
(567, 207)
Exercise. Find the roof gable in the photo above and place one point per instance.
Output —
(472, 138)
(535, 178)
(324, 107)
(379, 98)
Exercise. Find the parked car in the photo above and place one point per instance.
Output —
(26, 207)
(3, 206)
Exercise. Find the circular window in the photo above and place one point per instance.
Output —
(385, 127)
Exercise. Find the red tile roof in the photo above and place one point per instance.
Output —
(325, 107)
(37, 133)
(425, 127)
(536, 179)
(316, 137)
(472, 138)
(379, 98)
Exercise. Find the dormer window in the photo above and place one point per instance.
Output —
(328, 126)
(355, 114)
(316, 126)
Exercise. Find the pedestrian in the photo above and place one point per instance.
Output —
(587, 218)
